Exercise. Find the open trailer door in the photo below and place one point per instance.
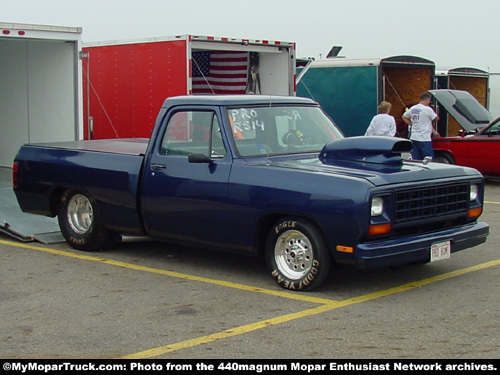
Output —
(40, 77)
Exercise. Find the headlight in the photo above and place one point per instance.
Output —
(473, 192)
(377, 208)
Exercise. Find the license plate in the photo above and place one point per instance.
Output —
(440, 250)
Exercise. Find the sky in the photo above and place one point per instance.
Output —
(449, 32)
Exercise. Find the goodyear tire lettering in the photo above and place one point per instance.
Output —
(286, 237)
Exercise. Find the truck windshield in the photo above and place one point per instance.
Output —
(261, 131)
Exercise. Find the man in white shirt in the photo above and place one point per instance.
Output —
(420, 118)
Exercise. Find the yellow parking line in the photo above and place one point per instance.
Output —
(325, 304)
(490, 202)
(248, 288)
(417, 284)
(230, 332)
(309, 312)
(154, 352)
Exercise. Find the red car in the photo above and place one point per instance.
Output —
(479, 145)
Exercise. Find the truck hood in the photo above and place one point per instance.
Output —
(468, 112)
(375, 159)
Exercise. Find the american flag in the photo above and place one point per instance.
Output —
(219, 72)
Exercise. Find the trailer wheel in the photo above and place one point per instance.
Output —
(80, 224)
(297, 255)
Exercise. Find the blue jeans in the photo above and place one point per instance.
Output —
(421, 149)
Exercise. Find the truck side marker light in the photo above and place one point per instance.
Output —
(377, 230)
(474, 212)
(345, 249)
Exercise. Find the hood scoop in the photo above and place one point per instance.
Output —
(380, 151)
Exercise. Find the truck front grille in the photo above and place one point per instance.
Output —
(414, 205)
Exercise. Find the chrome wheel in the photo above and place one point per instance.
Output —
(80, 214)
(293, 254)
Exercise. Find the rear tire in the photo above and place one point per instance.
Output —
(80, 222)
(297, 254)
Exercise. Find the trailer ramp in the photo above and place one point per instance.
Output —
(23, 226)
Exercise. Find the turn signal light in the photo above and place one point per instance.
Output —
(345, 249)
(377, 230)
(475, 212)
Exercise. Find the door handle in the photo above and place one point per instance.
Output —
(157, 167)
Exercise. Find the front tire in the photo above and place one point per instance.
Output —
(443, 158)
(297, 254)
(80, 224)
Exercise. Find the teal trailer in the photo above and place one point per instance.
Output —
(350, 90)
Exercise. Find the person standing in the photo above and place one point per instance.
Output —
(419, 118)
(383, 123)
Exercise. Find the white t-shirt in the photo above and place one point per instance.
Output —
(421, 117)
(382, 124)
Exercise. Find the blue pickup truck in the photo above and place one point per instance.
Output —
(257, 175)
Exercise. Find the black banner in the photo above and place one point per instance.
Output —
(257, 366)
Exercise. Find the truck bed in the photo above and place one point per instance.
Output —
(108, 170)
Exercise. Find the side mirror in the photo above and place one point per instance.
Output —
(199, 158)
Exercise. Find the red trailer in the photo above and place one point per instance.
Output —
(126, 82)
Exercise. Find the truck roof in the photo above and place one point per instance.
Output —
(230, 100)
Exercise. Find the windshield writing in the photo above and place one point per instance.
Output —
(280, 130)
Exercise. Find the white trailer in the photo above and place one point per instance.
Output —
(40, 86)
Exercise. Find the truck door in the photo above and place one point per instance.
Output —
(184, 194)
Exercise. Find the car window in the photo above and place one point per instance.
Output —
(193, 132)
(495, 128)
